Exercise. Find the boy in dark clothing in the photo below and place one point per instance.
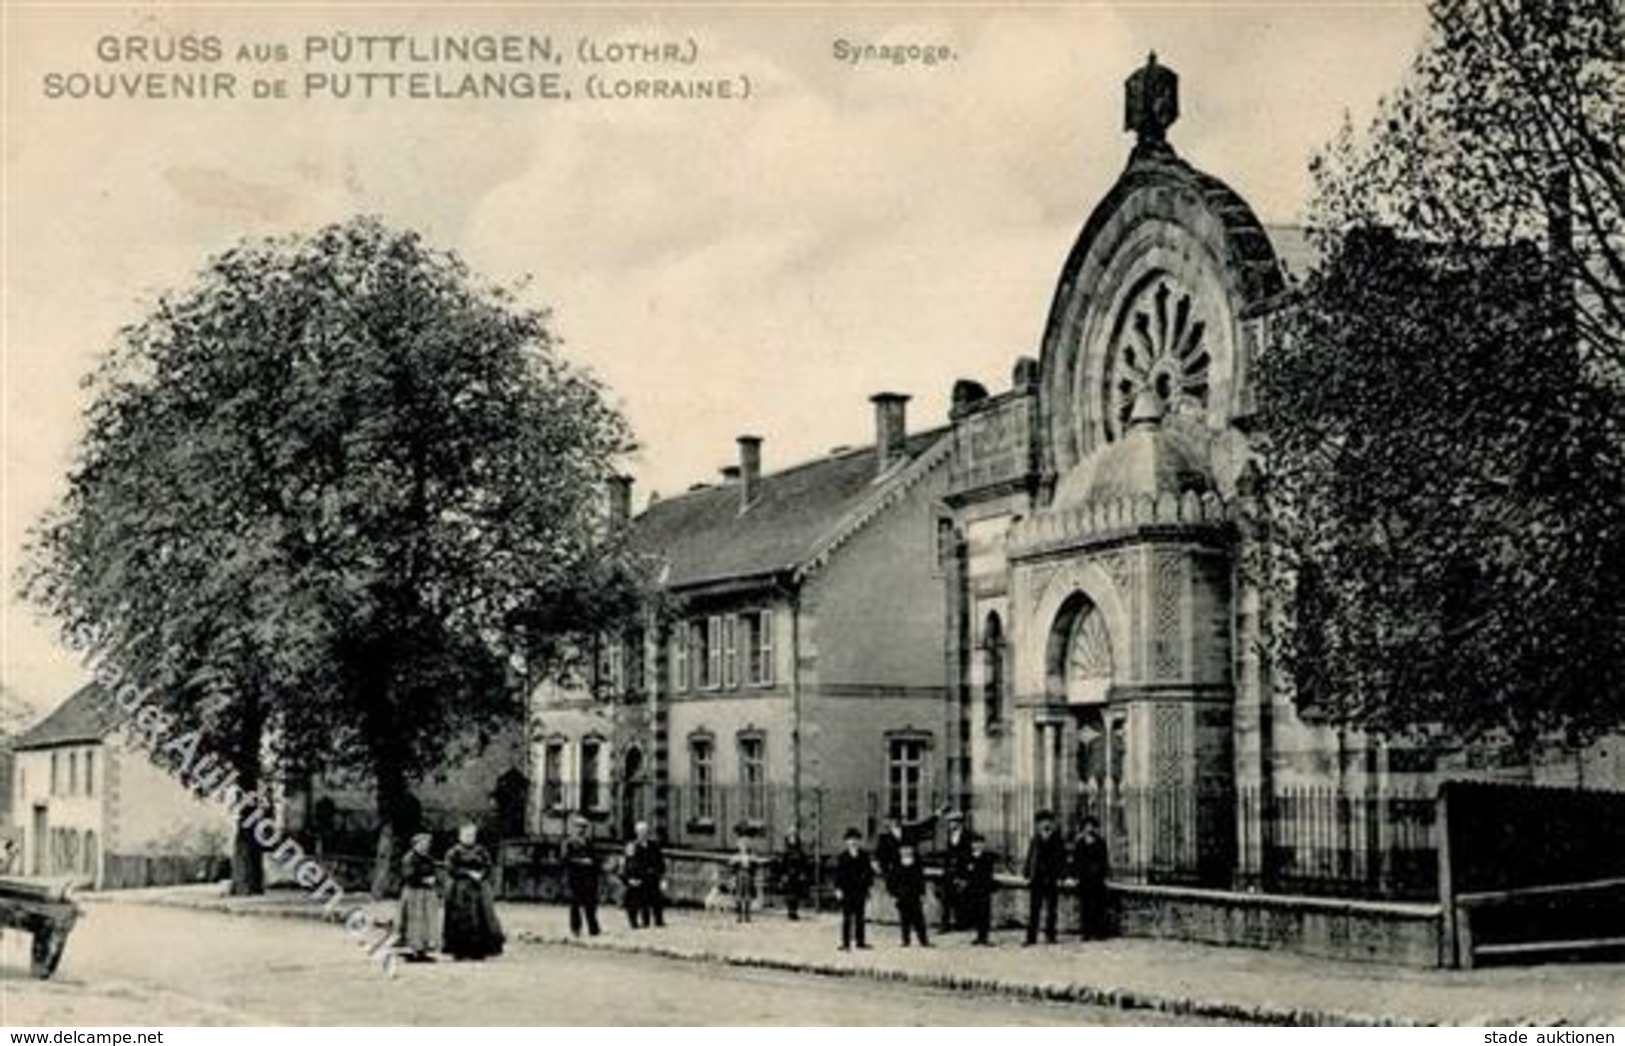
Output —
(1090, 865)
(977, 891)
(854, 876)
(1045, 867)
(907, 888)
(793, 873)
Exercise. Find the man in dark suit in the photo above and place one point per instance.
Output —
(1090, 865)
(976, 894)
(650, 862)
(955, 856)
(581, 875)
(1045, 867)
(854, 876)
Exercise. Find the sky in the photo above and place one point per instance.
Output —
(760, 265)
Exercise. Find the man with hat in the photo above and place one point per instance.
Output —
(976, 894)
(1045, 867)
(645, 875)
(581, 874)
(854, 876)
(1090, 866)
(951, 887)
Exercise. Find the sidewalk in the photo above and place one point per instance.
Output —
(1171, 977)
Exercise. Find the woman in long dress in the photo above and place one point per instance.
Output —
(420, 902)
(472, 929)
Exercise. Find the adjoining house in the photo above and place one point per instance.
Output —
(1042, 606)
(91, 804)
(793, 673)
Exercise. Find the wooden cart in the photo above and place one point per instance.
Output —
(40, 907)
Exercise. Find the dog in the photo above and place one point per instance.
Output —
(720, 897)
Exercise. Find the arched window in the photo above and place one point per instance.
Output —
(993, 654)
(1078, 660)
(592, 774)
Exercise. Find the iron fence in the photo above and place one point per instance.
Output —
(1317, 840)
(1370, 843)
(1373, 843)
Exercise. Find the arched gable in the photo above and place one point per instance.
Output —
(1170, 266)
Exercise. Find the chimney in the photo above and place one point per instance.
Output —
(891, 428)
(750, 470)
(620, 501)
(730, 475)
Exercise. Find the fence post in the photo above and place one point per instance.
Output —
(1449, 944)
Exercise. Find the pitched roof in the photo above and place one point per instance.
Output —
(84, 717)
(704, 538)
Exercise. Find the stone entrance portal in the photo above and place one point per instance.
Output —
(1097, 501)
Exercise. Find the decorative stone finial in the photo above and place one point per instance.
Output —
(1151, 101)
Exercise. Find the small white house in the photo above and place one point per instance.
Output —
(89, 803)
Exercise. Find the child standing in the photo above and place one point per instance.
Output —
(907, 884)
(743, 864)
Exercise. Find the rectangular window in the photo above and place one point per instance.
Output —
(592, 797)
(713, 651)
(73, 773)
(702, 782)
(90, 772)
(905, 778)
(753, 777)
(553, 775)
(56, 773)
(679, 656)
(758, 647)
(730, 651)
(702, 655)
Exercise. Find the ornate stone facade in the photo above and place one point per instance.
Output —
(1118, 517)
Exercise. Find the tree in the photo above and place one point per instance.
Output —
(1442, 415)
(329, 501)
(1509, 129)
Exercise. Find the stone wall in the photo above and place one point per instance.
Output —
(1355, 931)
(1398, 934)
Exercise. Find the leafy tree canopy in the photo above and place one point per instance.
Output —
(341, 488)
(1442, 415)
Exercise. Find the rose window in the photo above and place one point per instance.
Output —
(1160, 345)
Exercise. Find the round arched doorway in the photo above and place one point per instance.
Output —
(1081, 741)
